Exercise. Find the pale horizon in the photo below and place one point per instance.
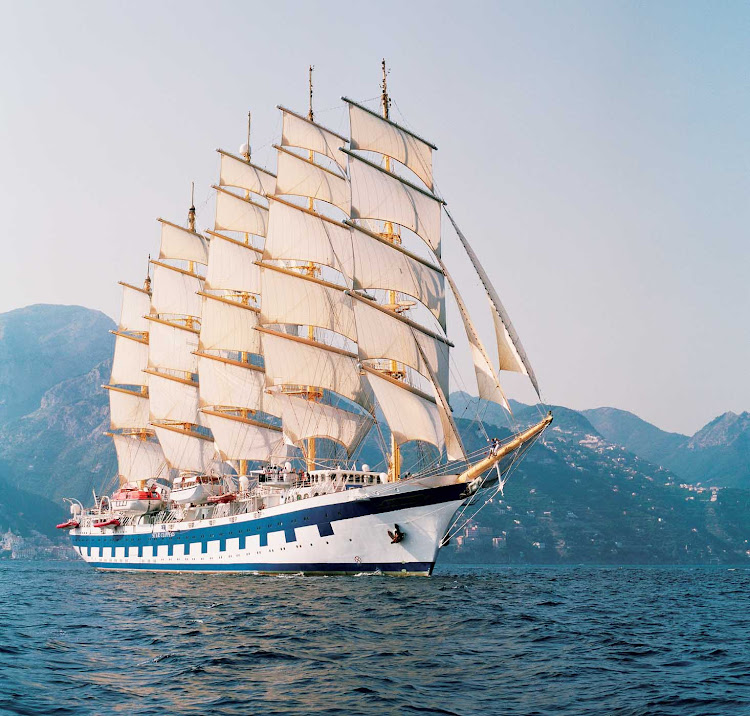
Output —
(596, 156)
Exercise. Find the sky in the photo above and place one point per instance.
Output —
(595, 154)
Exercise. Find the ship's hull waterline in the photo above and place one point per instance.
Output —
(347, 532)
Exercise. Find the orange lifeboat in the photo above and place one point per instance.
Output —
(71, 524)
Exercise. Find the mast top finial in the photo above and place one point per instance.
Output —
(310, 114)
(147, 282)
(191, 212)
(245, 148)
(384, 98)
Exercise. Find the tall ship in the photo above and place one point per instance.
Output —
(261, 359)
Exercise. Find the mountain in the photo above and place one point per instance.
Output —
(594, 488)
(578, 497)
(638, 436)
(60, 450)
(42, 345)
(717, 455)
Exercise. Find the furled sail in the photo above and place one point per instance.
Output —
(303, 420)
(238, 172)
(233, 213)
(298, 131)
(371, 132)
(182, 244)
(511, 354)
(297, 176)
(295, 233)
(139, 459)
(378, 194)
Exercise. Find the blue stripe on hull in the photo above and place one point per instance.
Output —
(324, 517)
(270, 568)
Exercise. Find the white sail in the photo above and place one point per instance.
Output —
(240, 173)
(233, 213)
(175, 292)
(381, 264)
(301, 177)
(290, 297)
(488, 384)
(171, 346)
(303, 419)
(239, 438)
(182, 244)
(228, 325)
(410, 415)
(297, 361)
(185, 449)
(385, 335)
(297, 131)
(171, 399)
(139, 460)
(136, 303)
(130, 360)
(295, 233)
(511, 354)
(371, 132)
(230, 384)
(127, 409)
(377, 194)
(232, 266)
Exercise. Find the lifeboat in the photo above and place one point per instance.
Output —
(221, 499)
(71, 524)
(136, 500)
(113, 522)
(195, 489)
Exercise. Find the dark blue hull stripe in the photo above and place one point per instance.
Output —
(276, 568)
(323, 517)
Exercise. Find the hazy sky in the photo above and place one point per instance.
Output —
(596, 154)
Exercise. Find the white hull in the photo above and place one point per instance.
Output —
(338, 533)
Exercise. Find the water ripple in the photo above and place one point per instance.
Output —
(573, 641)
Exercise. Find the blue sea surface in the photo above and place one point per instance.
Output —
(481, 640)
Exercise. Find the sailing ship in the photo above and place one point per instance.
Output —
(259, 355)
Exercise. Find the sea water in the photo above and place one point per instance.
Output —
(481, 640)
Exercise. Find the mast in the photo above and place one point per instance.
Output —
(311, 375)
(311, 271)
(139, 456)
(394, 471)
(175, 319)
(229, 354)
(400, 357)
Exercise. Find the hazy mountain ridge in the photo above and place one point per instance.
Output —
(717, 455)
(60, 449)
(42, 345)
(577, 495)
